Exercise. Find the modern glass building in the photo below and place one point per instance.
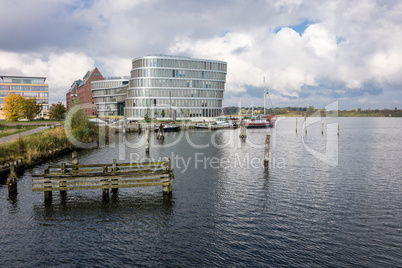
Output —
(27, 87)
(110, 95)
(175, 87)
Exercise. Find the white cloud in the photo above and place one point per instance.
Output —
(60, 69)
(348, 43)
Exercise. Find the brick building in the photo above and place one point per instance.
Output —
(81, 91)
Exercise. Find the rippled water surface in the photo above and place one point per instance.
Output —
(325, 201)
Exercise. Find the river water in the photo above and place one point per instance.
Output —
(325, 200)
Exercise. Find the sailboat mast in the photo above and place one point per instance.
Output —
(264, 95)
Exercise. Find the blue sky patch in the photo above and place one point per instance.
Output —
(299, 28)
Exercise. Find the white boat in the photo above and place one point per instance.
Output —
(256, 122)
(220, 123)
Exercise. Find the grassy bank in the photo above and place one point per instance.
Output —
(6, 130)
(41, 145)
(31, 147)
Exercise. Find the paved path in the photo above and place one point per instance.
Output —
(28, 132)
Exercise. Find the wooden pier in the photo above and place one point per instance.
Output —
(113, 176)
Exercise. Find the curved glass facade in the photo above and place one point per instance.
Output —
(170, 86)
(110, 95)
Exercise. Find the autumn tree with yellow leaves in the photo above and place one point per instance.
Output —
(30, 108)
(16, 107)
(13, 107)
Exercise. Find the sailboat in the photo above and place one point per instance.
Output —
(261, 121)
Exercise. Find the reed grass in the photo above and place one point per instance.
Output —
(32, 147)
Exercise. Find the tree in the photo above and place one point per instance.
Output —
(310, 110)
(163, 113)
(13, 107)
(146, 118)
(30, 109)
(57, 111)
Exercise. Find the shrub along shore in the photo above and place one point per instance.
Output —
(29, 148)
(32, 149)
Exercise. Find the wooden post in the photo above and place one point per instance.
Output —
(48, 194)
(167, 189)
(75, 160)
(12, 180)
(338, 129)
(161, 132)
(296, 124)
(115, 181)
(266, 156)
(139, 127)
(242, 131)
(105, 191)
(114, 165)
(63, 183)
(147, 140)
(322, 129)
(305, 124)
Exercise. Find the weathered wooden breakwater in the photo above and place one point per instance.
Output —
(112, 176)
(20, 165)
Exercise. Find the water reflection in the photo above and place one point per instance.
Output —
(84, 207)
(224, 213)
(13, 201)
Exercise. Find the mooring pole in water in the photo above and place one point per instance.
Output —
(63, 183)
(305, 124)
(167, 189)
(266, 156)
(296, 124)
(74, 160)
(338, 129)
(48, 194)
(12, 180)
(161, 133)
(322, 129)
(147, 140)
(114, 181)
(139, 128)
(242, 134)
(105, 191)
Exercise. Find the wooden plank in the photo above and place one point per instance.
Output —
(100, 174)
(45, 189)
(37, 183)
(139, 164)
(100, 184)
(109, 165)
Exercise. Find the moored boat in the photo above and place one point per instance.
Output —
(256, 122)
(220, 123)
(169, 128)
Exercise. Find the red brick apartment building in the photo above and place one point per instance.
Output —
(81, 91)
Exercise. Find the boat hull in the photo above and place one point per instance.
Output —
(169, 129)
(256, 125)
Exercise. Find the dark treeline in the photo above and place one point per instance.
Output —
(233, 110)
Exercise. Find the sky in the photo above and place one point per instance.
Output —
(310, 52)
